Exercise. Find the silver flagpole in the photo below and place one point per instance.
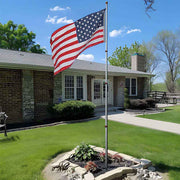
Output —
(106, 90)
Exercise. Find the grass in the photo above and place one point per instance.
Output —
(172, 114)
(24, 154)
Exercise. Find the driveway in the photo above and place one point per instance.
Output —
(130, 118)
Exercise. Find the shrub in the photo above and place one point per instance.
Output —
(72, 110)
(126, 99)
(151, 103)
(138, 104)
(142, 103)
(84, 152)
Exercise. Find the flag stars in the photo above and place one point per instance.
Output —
(88, 25)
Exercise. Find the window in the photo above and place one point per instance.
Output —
(131, 85)
(104, 89)
(128, 85)
(73, 87)
(79, 87)
(97, 89)
(69, 87)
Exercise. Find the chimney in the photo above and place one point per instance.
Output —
(138, 62)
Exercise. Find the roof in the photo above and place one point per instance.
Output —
(25, 60)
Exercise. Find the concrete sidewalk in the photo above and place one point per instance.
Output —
(129, 118)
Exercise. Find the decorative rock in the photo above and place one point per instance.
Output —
(151, 168)
(116, 173)
(145, 163)
(88, 176)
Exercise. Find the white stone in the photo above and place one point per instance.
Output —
(88, 176)
(151, 168)
(145, 163)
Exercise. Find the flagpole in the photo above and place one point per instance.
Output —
(106, 89)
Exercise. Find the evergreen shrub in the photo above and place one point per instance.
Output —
(72, 110)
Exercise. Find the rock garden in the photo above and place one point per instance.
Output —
(87, 162)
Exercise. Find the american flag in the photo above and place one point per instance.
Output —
(70, 40)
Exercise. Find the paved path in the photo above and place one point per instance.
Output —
(128, 118)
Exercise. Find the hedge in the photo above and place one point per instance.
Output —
(72, 110)
(142, 103)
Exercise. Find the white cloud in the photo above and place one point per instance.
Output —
(57, 8)
(54, 20)
(64, 20)
(51, 19)
(133, 30)
(119, 32)
(115, 33)
(86, 57)
(123, 31)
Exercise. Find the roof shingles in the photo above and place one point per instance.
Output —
(18, 59)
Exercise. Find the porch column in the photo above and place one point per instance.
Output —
(27, 95)
(57, 88)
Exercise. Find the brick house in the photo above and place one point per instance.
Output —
(27, 83)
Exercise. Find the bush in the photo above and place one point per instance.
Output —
(126, 99)
(138, 104)
(72, 110)
(84, 152)
(150, 102)
(142, 103)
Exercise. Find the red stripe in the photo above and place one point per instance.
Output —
(74, 57)
(62, 69)
(76, 49)
(64, 40)
(67, 45)
(67, 32)
(61, 28)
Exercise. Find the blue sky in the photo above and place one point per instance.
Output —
(127, 19)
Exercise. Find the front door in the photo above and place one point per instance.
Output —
(98, 92)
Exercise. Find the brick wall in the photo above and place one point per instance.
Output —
(11, 94)
(43, 93)
(138, 63)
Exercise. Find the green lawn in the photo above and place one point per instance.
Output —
(24, 154)
(172, 114)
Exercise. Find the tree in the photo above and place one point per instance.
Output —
(168, 45)
(122, 56)
(37, 49)
(149, 4)
(17, 37)
(152, 61)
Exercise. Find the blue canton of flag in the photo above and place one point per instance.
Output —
(87, 26)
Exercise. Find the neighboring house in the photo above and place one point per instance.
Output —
(27, 84)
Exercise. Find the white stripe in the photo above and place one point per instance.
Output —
(63, 65)
(62, 38)
(77, 52)
(75, 46)
(63, 44)
(62, 31)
